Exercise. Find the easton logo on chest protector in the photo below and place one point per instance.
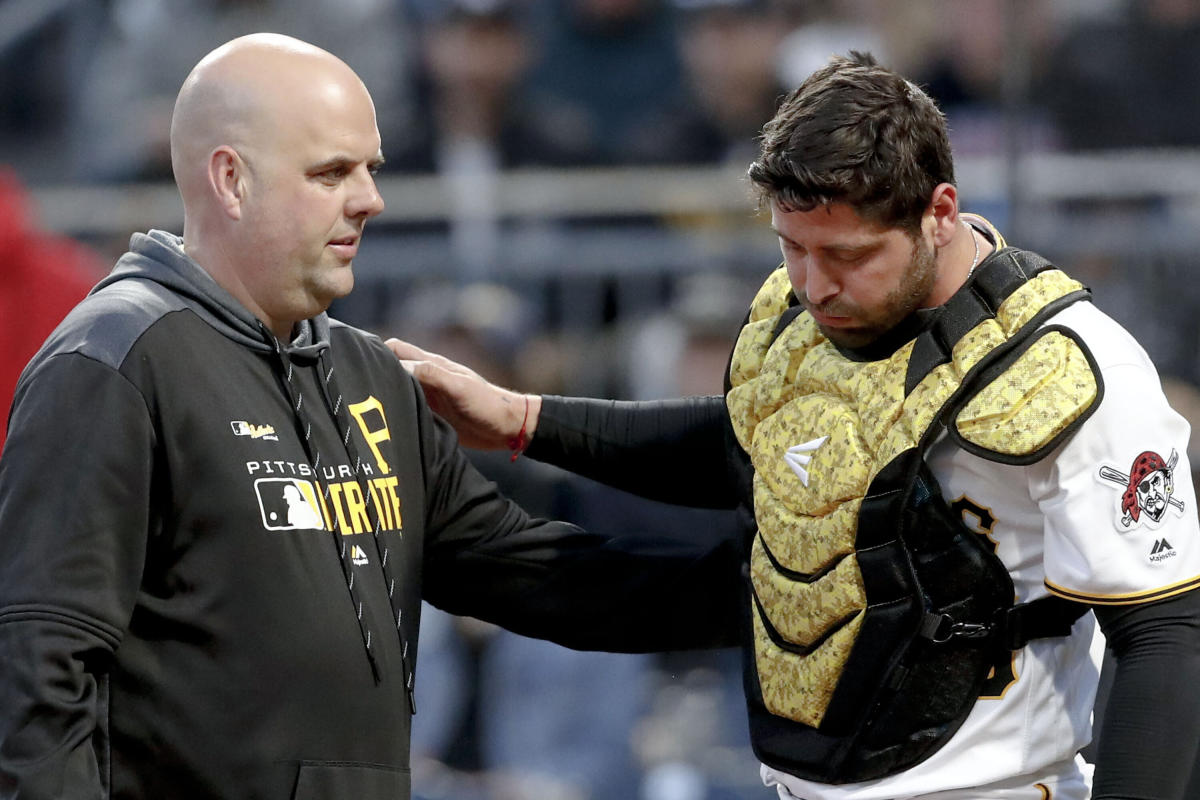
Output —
(798, 458)
(876, 614)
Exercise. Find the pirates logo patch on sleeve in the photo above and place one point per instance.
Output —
(1146, 489)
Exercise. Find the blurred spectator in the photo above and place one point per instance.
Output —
(485, 324)
(44, 47)
(730, 49)
(978, 64)
(683, 350)
(693, 742)
(1116, 82)
(608, 78)
(474, 122)
(42, 277)
(147, 48)
(822, 28)
(557, 716)
(474, 58)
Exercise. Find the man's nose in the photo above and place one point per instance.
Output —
(365, 200)
(818, 286)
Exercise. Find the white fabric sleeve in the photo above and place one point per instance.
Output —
(1118, 500)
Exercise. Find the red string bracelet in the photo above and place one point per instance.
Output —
(519, 442)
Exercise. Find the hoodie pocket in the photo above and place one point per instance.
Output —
(341, 780)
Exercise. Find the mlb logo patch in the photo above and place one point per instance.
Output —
(289, 504)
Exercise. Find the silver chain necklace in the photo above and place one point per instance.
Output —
(974, 260)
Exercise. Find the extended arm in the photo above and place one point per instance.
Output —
(1151, 732)
(484, 557)
(668, 450)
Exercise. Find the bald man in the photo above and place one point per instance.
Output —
(220, 509)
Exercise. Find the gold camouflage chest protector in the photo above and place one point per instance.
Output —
(820, 426)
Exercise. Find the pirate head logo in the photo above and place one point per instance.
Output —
(1147, 488)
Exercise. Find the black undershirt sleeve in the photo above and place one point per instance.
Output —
(673, 451)
(1148, 744)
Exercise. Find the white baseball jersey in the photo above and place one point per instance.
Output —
(1108, 518)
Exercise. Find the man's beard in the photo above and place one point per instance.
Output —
(906, 298)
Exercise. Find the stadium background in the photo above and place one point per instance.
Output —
(567, 211)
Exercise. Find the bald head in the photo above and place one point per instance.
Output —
(244, 93)
(274, 144)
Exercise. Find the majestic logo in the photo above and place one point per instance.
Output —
(1161, 551)
(798, 458)
(1147, 489)
(264, 432)
(358, 556)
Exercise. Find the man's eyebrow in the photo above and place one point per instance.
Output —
(848, 247)
(330, 163)
(781, 234)
(344, 162)
(852, 247)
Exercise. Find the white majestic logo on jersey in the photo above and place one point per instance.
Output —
(798, 458)
(243, 428)
(1148, 487)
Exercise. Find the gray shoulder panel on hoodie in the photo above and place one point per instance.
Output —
(153, 279)
(109, 321)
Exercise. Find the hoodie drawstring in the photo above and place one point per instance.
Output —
(333, 401)
(336, 408)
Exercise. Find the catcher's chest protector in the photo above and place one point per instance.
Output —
(876, 614)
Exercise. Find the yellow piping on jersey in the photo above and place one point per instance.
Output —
(1130, 598)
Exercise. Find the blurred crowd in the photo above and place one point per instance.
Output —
(467, 89)
(86, 87)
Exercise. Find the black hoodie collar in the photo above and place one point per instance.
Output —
(158, 256)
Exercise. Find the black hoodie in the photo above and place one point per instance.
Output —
(207, 541)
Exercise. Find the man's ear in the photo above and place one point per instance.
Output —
(942, 214)
(227, 179)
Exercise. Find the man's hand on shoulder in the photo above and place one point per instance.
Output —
(486, 416)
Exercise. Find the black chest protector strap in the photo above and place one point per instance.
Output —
(1013, 628)
(1049, 616)
(1039, 619)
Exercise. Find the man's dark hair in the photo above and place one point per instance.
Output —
(858, 133)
